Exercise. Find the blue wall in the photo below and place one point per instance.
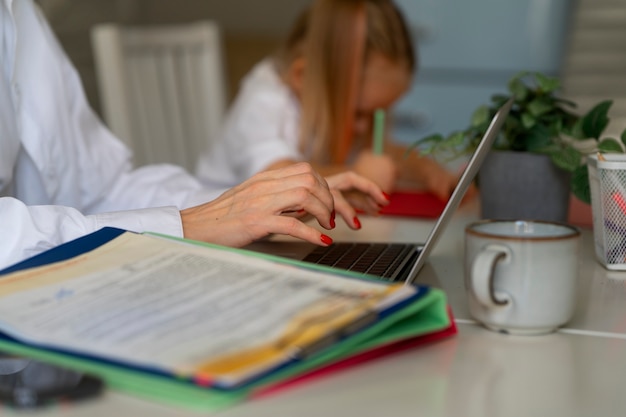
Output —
(467, 51)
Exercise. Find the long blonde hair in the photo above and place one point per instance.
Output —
(335, 37)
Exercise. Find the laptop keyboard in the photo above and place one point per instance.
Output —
(386, 260)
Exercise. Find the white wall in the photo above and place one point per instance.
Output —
(251, 28)
(595, 65)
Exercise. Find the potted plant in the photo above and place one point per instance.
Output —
(541, 149)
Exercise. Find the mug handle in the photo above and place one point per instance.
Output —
(481, 278)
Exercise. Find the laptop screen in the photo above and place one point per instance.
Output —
(464, 182)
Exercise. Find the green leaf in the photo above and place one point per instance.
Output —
(610, 145)
(566, 102)
(580, 184)
(528, 120)
(623, 137)
(547, 84)
(480, 116)
(540, 106)
(577, 130)
(539, 140)
(456, 139)
(519, 76)
(556, 127)
(498, 100)
(435, 138)
(426, 145)
(568, 159)
(596, 120)
(518, 89)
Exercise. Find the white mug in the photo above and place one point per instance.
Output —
(521, 276)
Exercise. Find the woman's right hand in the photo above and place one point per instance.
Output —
(262, 205)
(379, 168)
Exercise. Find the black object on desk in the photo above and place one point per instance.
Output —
(27, 383)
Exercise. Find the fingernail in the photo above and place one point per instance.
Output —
(356, 222)
(332, 219)
(326, 239)
(386, 196)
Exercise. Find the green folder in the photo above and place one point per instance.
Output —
(426, 318)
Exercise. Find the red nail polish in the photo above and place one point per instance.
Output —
(326, 239)
(356, 222)
(387, 196)
(332, 219)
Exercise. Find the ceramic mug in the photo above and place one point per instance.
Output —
(521, 276)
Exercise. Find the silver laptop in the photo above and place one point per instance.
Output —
(390, 261)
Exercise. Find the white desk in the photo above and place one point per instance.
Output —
(579, 371)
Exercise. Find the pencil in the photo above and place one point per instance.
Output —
(378, 132)
(617, 197)
(616, 184)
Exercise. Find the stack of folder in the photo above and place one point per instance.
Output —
(320, 321)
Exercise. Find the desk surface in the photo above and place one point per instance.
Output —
(578, 371)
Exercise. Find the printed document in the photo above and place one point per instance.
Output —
(194, 311)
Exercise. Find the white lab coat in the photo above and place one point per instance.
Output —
(62, 173)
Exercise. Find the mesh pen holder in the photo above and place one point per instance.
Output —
(607, 183)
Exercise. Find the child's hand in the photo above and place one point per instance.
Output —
(442, 183)
(379, 168)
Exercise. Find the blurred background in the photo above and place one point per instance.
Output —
(467, 49)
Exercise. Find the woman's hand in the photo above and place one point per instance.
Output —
(257, 207)
(351, 191)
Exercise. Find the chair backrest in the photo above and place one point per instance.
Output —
(162, 88)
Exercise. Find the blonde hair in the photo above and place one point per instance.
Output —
(335, 37)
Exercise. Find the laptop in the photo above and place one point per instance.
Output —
(390, 261)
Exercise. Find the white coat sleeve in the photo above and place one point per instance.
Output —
(29, 230)
(83, 173)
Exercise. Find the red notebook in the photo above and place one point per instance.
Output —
(414, 204)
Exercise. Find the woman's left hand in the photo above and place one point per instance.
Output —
(352, 191)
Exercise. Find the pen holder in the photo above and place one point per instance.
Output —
(607, 183)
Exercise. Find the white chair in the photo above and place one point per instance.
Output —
(162, 88)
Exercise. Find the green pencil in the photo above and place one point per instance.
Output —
(378, 132)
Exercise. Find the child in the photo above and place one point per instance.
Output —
(315, 99)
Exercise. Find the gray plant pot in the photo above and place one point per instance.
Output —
(523, 185)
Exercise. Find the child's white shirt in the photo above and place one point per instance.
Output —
(261, 127)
